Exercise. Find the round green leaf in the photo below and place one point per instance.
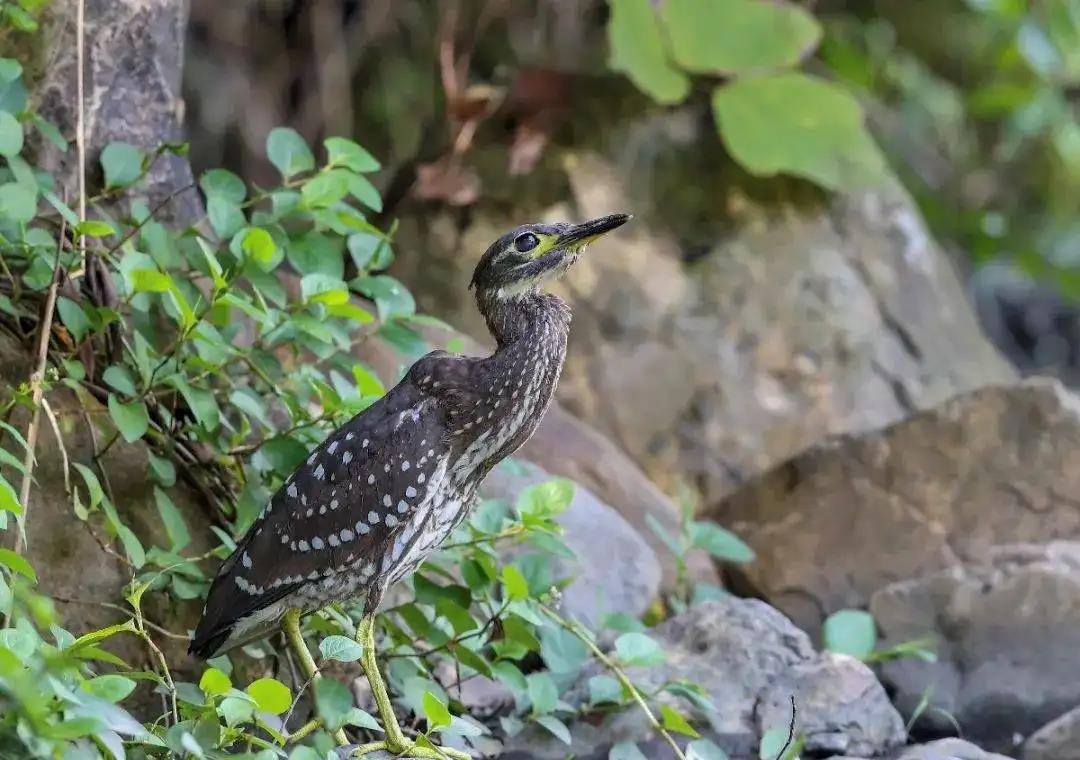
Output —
(851, 632)
(110, 687)
(543, 693)
(342, 152)
(223, 183)
(737, 36)
(325, 189)
(340, 648)
(214, 682)
(796, 124)
(333, 702)
(259, 245)
(514, 582)
(703, 749)
(638, 649)
(122, 163)
(18, 202)
(271, 695)
(546, 499)
(638, 50)
(287, 151)
(11, 135)
(625, 751)
(131, 419)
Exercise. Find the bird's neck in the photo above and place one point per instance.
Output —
(523, 317)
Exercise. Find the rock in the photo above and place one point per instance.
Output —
(749, 659)
(948, 749)
(843, 519)
(614, 569)
(71, 566)
(1057, 740)
(1007, 634)
(840, 707)
(718, 335)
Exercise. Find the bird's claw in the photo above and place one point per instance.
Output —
(410, 749)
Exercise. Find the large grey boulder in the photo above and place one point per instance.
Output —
(724, 330)
(750, 660)
(942, 749)
(836, 523)
(1007, 634)
(614, 569)
(1057, 740)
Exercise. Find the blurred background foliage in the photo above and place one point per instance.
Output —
(970, 103)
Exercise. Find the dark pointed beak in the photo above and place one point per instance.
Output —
(589, 231)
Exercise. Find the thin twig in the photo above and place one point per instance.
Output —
(59, 442)
(80, 116)
(790, 732)
(623, 679)
(37, 382)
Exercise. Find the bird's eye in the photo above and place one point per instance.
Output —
(526, 242)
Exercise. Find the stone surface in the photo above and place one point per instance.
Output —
(841, 707)
(614, 569)
(134, 54)
(721, 333)
(843, 519)
(1057, 740)
(749, 659)
(1007, 634)
(71, 566)
(948, 749)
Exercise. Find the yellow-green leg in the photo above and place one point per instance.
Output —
(291, 625)
(396, 743)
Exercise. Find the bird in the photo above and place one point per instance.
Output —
(382, 492)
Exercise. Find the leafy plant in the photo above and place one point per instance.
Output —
(772, 117)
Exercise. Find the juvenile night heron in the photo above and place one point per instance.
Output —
(382, 492)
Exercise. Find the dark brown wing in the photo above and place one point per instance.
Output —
(343, 509)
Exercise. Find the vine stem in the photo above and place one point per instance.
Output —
(620, 675)
(80, 115)
(37, 383)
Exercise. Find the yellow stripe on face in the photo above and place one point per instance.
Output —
(547, 243)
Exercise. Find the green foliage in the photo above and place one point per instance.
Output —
(854, 633)
(772, 118)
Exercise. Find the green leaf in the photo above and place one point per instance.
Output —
(73, 317)
(287, 151)
(9, 502)
(703, 749)
(342, 152)
(851, 632)
(118, 377)
(562, 651)
(547, 499)
(122, 164)
(543, 694)
(639, 649)
(16, 563)
(175, 527)
(271, 695)
(365, 192)
(604, 689)
(351, 312)
(333, 702)
(638, 50)
(340, 648)
(435, 711)
(736, 36)
(12, 90)
(514, 582)
(674, 721)
(557, 728)
(325, 189)
(226, 217)
(259, 245)
(214, 682)
(625, 751)
(796, 124)
(720, 543)
(773, 742)
(11, 135)
(150, 281)
(164, 470)
(223, 183)
(323, 288)
(131, 419)
(18, 202)
(391, 297)
(111, 687)
(94, 228)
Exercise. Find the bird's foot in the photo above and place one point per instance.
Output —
(410, 749)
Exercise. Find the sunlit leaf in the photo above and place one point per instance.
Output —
(851, 632)
(271, 695)
(638, 50)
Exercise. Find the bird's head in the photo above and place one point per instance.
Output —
(525, 258)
